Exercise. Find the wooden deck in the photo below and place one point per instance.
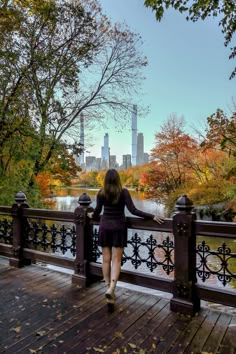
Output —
(42, 312)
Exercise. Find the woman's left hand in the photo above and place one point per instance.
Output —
(159, 219)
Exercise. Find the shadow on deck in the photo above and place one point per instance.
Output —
(42, 312)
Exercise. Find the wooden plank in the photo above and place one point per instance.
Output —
(41, 318)
(203, 333)
(148, 332)
(183, 340)
(172, 334)
(160, 333)
(66, 326)
(91, 329)
(49, 258)
(21, 298)
(217, 295)
(130, 333)
(215, 228)
(228, 344)
(41, 308)
(216, 336)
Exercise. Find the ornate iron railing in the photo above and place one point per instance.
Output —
(6, 231)
(215, 263)
(59, 239)
(140, 252)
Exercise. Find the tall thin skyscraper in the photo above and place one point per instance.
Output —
(105, 152)
(140, 149)
(134, 135)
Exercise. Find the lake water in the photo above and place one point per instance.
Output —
(67, 200)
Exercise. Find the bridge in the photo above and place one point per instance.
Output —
(174, 257)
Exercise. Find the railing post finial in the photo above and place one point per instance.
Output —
(20, 198)
(184, 204)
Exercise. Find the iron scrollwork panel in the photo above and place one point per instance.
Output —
(215, 263)
(140, 252)
(6, 232)
(54, 238)
(96, 251)
(148, 253)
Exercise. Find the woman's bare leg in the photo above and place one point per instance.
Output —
(117, 253)
(106, 264)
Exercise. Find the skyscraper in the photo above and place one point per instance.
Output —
(126, 159)
(134, 135)
(105, 152)
(140, 149)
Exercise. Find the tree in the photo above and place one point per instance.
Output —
(201, 9)
(57, 60)
(171, 158)
(221, 132)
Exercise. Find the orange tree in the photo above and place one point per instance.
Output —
(172, 157)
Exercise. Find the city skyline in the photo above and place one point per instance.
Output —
(187, 74)
(107, 159)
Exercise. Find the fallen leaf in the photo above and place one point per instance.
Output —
(133, 346)
(33, 351)
(99, 350)
(17, 329)
(119, 335)
(40, 333)
(142, 351)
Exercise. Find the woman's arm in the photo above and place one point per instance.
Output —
(133, 210)
(97, 211)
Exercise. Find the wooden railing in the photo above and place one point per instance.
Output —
(175, 256)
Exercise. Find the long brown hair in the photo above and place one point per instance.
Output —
(112, 186)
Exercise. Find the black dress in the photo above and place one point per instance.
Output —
(113, 229)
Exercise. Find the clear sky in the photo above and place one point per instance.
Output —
(188, 72)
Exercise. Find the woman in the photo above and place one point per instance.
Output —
(112, 235)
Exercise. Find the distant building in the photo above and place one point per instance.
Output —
(112, 162)
(98, 163)
(90, 163)
(126, 159)
(105, 152)
(145, 157)
(140, 149)
(134, 135)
